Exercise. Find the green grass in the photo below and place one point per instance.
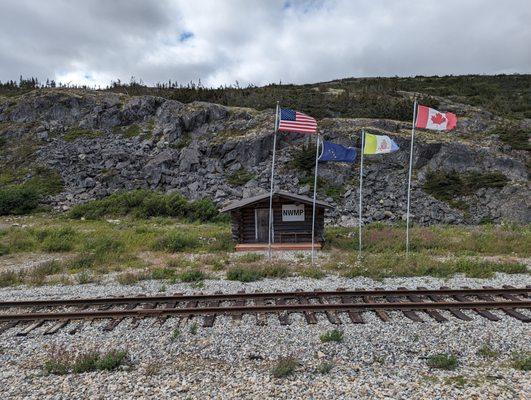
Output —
(75, 133)
(284, 367)
(446, 186)
(146, 204)
(192, 276)
(332, 336)
(521, 360)
(488, 352)
(253, 273)
(176, 334)
(130, 131)
(240, 177)
(324, 368)
(443, 361)
(64, 362)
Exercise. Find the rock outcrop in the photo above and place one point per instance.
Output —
(102, 142)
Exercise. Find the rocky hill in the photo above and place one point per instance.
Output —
(100, 142)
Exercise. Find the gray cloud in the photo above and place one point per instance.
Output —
(254, 41)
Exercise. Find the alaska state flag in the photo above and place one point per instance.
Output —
(338, 153)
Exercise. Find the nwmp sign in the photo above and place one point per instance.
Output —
(292, 212)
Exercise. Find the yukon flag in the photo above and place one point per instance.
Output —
(429, 118)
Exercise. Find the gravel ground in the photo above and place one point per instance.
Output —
(234, 359)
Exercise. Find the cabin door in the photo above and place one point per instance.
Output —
(261, 219)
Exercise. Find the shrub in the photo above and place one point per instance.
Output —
(10, 278)
(18, 199)
(244, 274)
(275, 271)
(57, 240)
(130, 278)
(446, 186)
(522, 361)
(75, 133)
(163, 273)
(487, 351)
(203, 210)
(145, 204)
(324, 368)
(193, 275)
(303, 158)
(240, 177)
(443, 361)
(62, 362)
(285, 366)
(131, 131)
(332, 336)
(176, 242)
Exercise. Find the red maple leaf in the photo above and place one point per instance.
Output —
(438, 119)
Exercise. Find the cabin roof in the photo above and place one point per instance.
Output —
(278, 193)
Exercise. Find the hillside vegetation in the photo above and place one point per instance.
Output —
(506, 95)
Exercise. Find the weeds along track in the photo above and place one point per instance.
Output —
(417, 305)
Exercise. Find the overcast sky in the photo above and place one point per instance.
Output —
(260, 41)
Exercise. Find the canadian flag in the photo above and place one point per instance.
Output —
(429, 118)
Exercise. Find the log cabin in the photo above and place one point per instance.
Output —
(292, 222)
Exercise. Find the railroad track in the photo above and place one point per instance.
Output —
(418, 305)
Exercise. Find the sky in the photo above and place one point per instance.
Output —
(221, 42)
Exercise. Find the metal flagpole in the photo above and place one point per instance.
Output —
(361, 186)
(314, 198)
(272, 181)
(410, 170)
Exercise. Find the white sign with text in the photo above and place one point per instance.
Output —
(292, 212)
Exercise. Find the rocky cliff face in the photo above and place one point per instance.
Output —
(101, 143)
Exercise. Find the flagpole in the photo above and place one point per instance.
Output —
(360, 197)
(272, 181)
(314, 198)
(410, 171)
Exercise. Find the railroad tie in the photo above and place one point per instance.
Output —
(76, 328)
(283, 316)
(136, 320)
(332, 316)
(507, 310)
(355, 316)
(208, 320)
(239, 303)
(54, 328)
(8, 326)
(161, 319)
(412, 315)
(484, 313)
(380, 313)
(30, 327)
(456, 313)
(113, 323)
(436, 315)
(308, 315)
(261, 318)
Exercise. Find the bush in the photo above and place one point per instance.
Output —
(19, 199)
(240, 177)
(332, 336)
(244, 274)
(203, 210)
(193, 275)
(285, 366)
(522, 361)
(176, 241)
(75, 133)
(62, 363)
(443, 361)
(58, 240)
(446, 186)
(145, 204)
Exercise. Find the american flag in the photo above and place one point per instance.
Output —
(293, 121)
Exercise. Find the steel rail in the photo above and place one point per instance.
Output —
(264, 295)
(273, 308)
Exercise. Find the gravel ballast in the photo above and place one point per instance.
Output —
(234, 359)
